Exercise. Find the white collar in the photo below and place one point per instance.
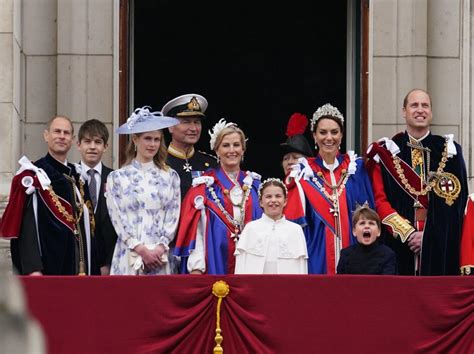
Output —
(331, 167)
(97, 168)
(420, 139)
(266, 218)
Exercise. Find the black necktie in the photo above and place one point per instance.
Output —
(92, 186)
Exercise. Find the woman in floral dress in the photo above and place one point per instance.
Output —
(143, 198)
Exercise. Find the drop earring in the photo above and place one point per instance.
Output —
(135, 147)
(218, 159)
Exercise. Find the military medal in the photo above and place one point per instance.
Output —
(187, 167)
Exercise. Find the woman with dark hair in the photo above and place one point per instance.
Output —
(143, 198)
(218, 206)
(326, 191)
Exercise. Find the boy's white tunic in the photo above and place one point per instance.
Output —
(271, 247)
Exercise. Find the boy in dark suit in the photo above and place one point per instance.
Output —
(367, 256)
(92, 143)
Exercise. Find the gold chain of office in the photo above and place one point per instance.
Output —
(62, 209)
(237, 223)
(338, 187)
(429, 186)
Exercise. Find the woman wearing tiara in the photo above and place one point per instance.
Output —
(217, 207)
(326, 191)
(272, 244)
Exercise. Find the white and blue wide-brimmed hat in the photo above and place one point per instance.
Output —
(142, 120)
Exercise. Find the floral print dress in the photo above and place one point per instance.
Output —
(143, 203)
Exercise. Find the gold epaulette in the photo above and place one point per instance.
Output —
(399, 225)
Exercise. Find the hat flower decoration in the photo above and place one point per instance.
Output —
(140, 115)
(216, 130)
(327, 110)
(142, 120)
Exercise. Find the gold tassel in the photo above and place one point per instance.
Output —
(220, 289)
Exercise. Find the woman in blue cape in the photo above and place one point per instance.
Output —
(217, 207)
(325, 191)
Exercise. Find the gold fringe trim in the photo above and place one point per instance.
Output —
(220, 289)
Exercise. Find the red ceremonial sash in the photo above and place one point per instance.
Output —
(412, 177)
(58, 208)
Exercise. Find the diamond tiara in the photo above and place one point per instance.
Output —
(327, 110)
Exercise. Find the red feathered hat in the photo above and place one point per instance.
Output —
(296, 141)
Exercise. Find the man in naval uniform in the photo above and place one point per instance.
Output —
(420, 189)
(182, 156)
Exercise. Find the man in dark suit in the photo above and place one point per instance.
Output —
(92, 143)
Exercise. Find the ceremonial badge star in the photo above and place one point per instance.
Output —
(187, 167)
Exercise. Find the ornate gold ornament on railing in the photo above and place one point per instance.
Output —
(220, 289)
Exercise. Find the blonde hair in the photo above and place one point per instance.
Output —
(229, 130)
(159, 159)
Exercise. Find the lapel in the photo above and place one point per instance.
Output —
(101, 204)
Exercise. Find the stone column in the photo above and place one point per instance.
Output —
(399, 59)
(56, 57)
(85, 63)
(11, 74)
(423, 44)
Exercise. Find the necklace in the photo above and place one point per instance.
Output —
(427, 188)
(236, 195)
(336, 190)
(237, 223)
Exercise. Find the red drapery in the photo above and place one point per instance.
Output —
(261, 314)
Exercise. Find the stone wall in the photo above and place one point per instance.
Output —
(56, 57)
(424, 44)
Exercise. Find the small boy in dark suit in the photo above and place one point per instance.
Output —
(92, 142)
(368, 255)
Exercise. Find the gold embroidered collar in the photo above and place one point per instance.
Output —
(180, 154)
